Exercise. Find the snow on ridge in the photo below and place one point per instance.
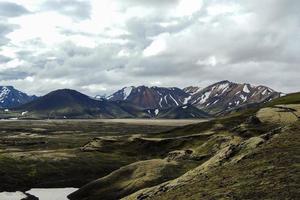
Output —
(223, 86)
(4, 92)
(246, 89)
(160, 102)
(186, 100)
(165, 98)
(198, 90)
(126, 92)
(156, 111)
(195, 92)
(216, 101)
(205, 96)
(174, 100)
(244, 98)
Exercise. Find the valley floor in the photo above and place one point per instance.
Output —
(46, 153)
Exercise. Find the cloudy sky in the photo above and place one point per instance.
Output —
(98, 46)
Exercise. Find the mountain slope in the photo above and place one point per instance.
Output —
(226, 95)
(191, 90)
(151, 97)
(68, 103)
(10, 97)
(182, 112)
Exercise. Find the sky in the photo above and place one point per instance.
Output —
(100, 46)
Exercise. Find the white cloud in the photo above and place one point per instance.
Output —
(211, 61)
(158, 46)
(220, 9)
(188, 7)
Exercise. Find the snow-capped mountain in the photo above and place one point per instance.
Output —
(216, 98)
(10, 97)
(226, 95)
(151, 97)
(122, 94)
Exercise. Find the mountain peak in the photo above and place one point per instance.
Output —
(151, 97)
(11, 97)
(226, 95)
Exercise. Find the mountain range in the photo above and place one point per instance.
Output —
(217, 98)
(139, 102)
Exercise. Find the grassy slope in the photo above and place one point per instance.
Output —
(289, 99)
(272, 172)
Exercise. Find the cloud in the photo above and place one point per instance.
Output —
(6, 28)
(8, 9)
(9, 75)
(4, 59)
(110, 44)
(77, 9)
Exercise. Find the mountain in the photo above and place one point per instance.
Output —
(10, 97)
(142, 102)
(68, 103)
(219, 98)
(151, 97)
(181, 112)
(226, 95)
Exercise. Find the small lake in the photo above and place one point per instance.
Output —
(41, 193)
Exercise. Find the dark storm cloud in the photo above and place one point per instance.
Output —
(77, 9)
(8, 9)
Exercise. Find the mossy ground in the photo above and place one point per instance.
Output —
(47, 153)
(271, 172)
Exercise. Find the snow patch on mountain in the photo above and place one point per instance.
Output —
(244, 98)
(174, 100)
(246, 89)
(223, 86)
(186, 100)
(127, 91)
(160, 100)
(205, 97)
(3, 93)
